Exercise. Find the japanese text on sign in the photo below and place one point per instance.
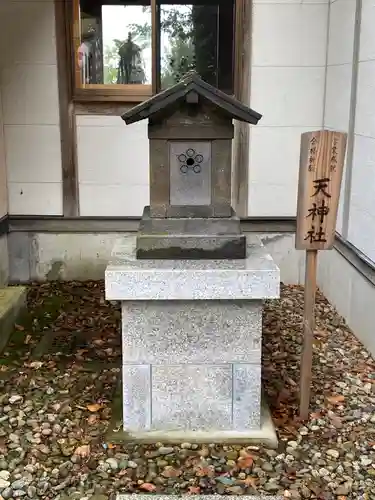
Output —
(318, 212)
(312, 154)
(322, 158)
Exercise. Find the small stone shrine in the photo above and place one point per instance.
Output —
(191, 284)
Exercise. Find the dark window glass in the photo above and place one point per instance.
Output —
(197, 36)
(115, 42)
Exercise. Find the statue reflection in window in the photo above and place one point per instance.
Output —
(131, 65)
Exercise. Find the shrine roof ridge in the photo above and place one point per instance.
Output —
(189, 84)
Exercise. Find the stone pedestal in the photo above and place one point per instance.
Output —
(190, 238)
(191, 334)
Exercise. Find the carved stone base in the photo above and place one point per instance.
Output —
(191, 340)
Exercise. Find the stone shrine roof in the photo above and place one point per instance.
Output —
(192, 85)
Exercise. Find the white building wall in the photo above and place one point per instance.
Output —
(28, 78)
(361, 231)
(113, 166)
(339, 76)
(352, 293)
(3, 173)
(289, 45)
(4, 261)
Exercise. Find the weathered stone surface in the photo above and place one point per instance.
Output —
(246, 396)
(191, 247)
(128, 278)
(190, 238)
(191, 397)
(190, 173)
(136, 380)
(173, 226)
(192, 334)
(158, 332)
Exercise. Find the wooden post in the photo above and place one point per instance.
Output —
(321, 166)
(308, 331)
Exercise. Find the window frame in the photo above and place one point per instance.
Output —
(129, 93)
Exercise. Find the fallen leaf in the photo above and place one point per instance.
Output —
(320, 333)
(19, 327)
(148, 487)
(3, 368)
(251, 481)
(336, 421)
(100, 342)
(205, 472)
(92, 419)
(316, 415)
(192, 461)
(3, 447)
(245, 462)
(82, 451)
(170, 471)
(27, 339)
(334, 400)
(317, 343)
(94, 407)
(194, 490)
(291, 430)
(81, 351)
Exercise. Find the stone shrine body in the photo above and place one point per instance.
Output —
(191, 284)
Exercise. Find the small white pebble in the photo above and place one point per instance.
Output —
(293, 444)
(15, 399)
(333, 453)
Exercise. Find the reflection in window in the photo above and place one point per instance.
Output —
(111, 51)
(115, 45)
(197, 37)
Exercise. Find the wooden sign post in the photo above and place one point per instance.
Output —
(320, 174)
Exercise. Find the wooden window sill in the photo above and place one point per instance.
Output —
(113, 93)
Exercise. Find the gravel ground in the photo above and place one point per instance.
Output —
(55, 406)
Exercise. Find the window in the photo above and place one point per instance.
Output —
(129, 49)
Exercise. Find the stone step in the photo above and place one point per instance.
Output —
(197, 497)
(12, 302)
(265, 436)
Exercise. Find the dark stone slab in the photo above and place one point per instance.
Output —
(192, 226)
(231, 246)
(190, 238)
